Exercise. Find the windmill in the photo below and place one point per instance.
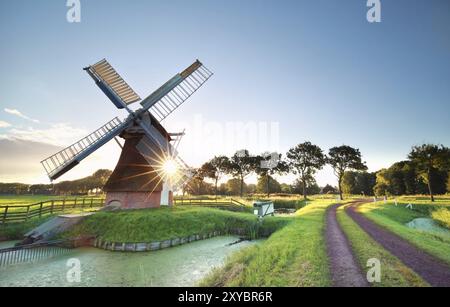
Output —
(149, 168)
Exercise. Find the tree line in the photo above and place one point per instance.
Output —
(83, 186)
(425, 172)
(303, 160)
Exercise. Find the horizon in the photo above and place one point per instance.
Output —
(253, 177)
(286, 74)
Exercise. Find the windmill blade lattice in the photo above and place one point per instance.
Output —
(63, 161)
(176, 91)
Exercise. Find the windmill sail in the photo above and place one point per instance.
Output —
(112, 84)
(177, 90)
(63, 161)
(158, 106)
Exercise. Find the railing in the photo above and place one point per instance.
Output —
(21, 213)
(32, 252)
(228, 203)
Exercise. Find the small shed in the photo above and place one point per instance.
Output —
(263, 208)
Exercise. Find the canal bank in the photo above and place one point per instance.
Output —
(183, 265)
(191, 241)
(171, 224)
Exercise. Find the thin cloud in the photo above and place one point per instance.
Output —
(4, 124)
(60, 134)
(20, 114)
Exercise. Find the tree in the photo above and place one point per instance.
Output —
(286, 188)
(358, 183)
(429, 158)
(401, 178)
(267, 184)
(305, 160)
(349, 183)
(241, 165)
(215, 169)
(13, 188)
(41, 189)
(328, 189)
(250, 188)
(197, 185)
(311, 186)
(448, 182)
(345, 158)
(234, 187)
(267, 165)
(99, 179)
(382, 185)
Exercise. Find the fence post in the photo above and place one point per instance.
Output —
(84, 199)
(40, 209)
(5, 214)
(28, 212)
(63, 204)
(75, 203)
(92, 201)
(52, 207)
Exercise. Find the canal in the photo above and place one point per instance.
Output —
(183, 265)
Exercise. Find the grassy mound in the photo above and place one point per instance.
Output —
(166, 223)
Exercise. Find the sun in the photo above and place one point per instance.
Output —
(170, 167)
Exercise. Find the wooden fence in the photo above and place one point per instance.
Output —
(21, 213)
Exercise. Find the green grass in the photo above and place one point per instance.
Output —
(425, 199)
(393, 272)
(442, 216)
(166, 223)
(16, 231)
(394, 219)
(293, 256)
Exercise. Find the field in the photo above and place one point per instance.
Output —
(285, 202)
(295, 253)
(293, 256)
(31, 199)
(395, 218)
(394, 272)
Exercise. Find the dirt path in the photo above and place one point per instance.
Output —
(345, 271)
(432, 270)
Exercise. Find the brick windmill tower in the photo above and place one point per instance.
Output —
(149, 167)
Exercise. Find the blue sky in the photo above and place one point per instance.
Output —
(315, 69)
